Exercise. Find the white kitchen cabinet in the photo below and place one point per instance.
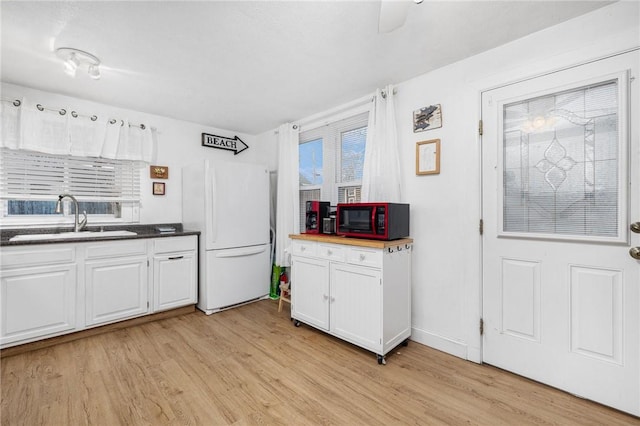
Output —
(52, 289)
(38, 292)
(175, 271)
(357, 290)
(311, 297)
(356, 309)
(116, 281)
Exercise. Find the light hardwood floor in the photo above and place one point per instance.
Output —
(250, 365)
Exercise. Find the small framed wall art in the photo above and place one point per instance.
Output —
(159, 172)
(427, 118)
(428, 157)
(158, 188)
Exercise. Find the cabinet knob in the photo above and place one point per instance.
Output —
(361, 256)
(329, 252)
(325, 297)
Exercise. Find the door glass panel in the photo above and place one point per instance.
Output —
(560, 163)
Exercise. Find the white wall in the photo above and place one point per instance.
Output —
(446, 208)
(179, 143)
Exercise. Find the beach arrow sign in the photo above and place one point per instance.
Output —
(234, 144)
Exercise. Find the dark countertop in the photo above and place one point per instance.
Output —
(142, 231)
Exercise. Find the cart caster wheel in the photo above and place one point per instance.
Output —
(296, 323)
(405, 343)
(382, 360)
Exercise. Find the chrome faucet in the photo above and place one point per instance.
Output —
(77, 224)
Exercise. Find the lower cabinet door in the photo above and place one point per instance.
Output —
(37, 301)
(310, 291)
(356, 309)
(116, 289)
(174, 278)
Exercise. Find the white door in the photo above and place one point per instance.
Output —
(561, 293)
(37, 301)
(310, 291)
(116, 289)
(237, 205)
(355, 305)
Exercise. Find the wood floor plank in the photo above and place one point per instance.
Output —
(251, 366)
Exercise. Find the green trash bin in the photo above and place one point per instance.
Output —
(275, 282)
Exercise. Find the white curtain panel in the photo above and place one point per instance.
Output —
(287, 206)
(25, 127)
(381, 168)
(10, 125)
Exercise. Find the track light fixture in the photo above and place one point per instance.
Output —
(76, 58)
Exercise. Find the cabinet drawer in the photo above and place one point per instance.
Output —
(303, 248)
(365, 257)
(15, 257)
(174, 244)
(331, 252)
(115, 249)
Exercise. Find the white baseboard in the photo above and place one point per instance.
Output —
(440, 343)
(474, 354)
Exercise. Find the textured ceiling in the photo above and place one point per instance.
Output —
(248, 66)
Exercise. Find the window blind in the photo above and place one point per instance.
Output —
(352, 143)
(26, 175)
(349, 194)
(561, 162)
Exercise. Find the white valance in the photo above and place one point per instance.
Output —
(63, 132)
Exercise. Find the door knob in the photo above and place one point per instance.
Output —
(635, 252)
(635, 227)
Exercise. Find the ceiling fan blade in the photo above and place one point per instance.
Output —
(393, 13)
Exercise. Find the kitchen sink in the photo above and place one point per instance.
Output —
(72, 235)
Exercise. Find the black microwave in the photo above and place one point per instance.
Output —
(380, 221)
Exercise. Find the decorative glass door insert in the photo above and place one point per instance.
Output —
(561, 161)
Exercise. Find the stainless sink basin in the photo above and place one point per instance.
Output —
(71, 235)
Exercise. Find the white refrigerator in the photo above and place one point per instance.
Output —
(228, 202)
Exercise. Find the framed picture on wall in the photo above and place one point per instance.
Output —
(428, 157)
(427, 118)
(159, 172)
(158, 188)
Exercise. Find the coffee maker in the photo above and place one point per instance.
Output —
(315, 212)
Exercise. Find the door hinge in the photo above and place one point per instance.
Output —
(147, 263)
(481, 326)
(147, 304)
(480, 127)
(481, 227)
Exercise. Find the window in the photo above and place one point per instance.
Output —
(561, 161)
(330, 162)
(30, 182)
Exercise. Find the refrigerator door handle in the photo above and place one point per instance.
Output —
(246, 251)
(210, 175)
